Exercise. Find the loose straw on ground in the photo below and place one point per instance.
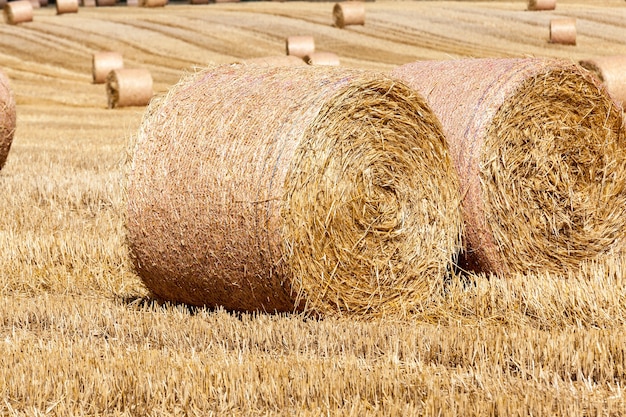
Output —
(322, 58)
(66, 6)
(541, 4)
(563, 31)
(16, 12)
(277, 60)
(282, 189)
(540, 149)
(129, 87)
(611, 70)
(349, 13)
(300, 46)
(104, 62)
(7, 118)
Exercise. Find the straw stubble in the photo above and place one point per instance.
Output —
(337, 197)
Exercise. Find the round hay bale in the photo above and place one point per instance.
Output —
(132, 3)
(349, 13)
(198, 1)
(7, 118)
(66, 6)
(104, 62)
(88, 3)
(563, 31)
(611, 70)
(294, 188)
(274, 61)
(16, 12)
(129, 87)
(153, 3)
(35, 4)
(541, 4)
(300, 46)
(540, 149)
(322, 58)
(43, 3)
(106, 3)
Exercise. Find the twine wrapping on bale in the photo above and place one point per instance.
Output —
(540, 149)
(300, 46)
(7, 118)
(16, 12)
(611, 70)
(349, 13)
(66, 6)
(322, 58)
(563, 31)
(129, 87)
(293, 188)
(274, 61)
(104, 62)
(541, 4)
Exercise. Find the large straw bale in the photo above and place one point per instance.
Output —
(104, 62)
(66, 6)
(611, 70)
(299, 46)
(16, 12)
(540, 149)
(7, 118)
(541, 4)
(129, 87)
(281, 189)
(563, 31)
(349, 13)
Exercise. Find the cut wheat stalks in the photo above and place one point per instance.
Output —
(541, 4)
(66, 6)
(349, 13)
(611, 70)
(540, 149)
(563, 31)
(104, 62)
(7, 118)
(322, 58)
(295, 188)
(274, 60)
(300, 46)
(16, 12)
(129, 87)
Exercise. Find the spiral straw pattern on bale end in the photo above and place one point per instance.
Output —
(7, 118)
(129, 87)
(611, 70)
(349, 13)
(541, 152)
(282, 189)
(16, 12)
(541, 4)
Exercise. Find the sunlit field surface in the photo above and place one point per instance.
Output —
(80, 334)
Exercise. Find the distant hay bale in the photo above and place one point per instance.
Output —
(129, 87)
(540, 148)
(541, 4)
(300, 46)
(35, 4)
(611, 70)
(88, 3)
(16, 12)
(563, 31)
(132, 3)
(348, 13)
(104, 62)
(322, 58)
(7, 117)
(153, 3)
(66, 6)
(198, 1)
(293, 188)
(106, 3)
(274, 61)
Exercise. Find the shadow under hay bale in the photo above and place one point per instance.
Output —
(282, 189)
(540, 149)
(563, 31)
(349, 13)
(16, 12)
(7, 118)
(129, 87)
(299, 46)
(104, 62)
(611, 70)
(541, 4)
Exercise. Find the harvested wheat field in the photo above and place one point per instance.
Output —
(80, 334)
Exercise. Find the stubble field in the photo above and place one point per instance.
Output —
(80, 335)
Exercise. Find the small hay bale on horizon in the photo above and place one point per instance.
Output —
(153, 3)
(7, 118)
(299, 46)
(16, 12)
(540, 148)
(348, 13)
(537, 5)
(611, 70)
(104, 62)
(292, 189)
(129, 87)
(563, 31)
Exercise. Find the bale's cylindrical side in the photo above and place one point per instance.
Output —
(300, 46)
(280, 189)
(541, 4)
(563, 31)
(88, 3)
(611, 70)
(129, 87)
(7, 118)
(349, 13)
(153, 3)
(274, 61)
(540, 149)
(104, 62)
(16, 12)
(67, 6)
(322, 58)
